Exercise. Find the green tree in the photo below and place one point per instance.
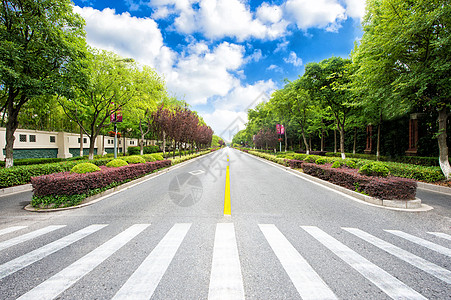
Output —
(110, 87)
(405, 56)
(150, 90)
(38, 40)
(328, 84)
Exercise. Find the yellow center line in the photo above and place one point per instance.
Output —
(227, 202)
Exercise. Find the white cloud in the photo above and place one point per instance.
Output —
(128, 36)
(241, 98)
(293, 59)
(202, 73)
(226, 123)
(318, 13)
(281, 46)
(274, 68)
(355, 8)
(216, 19)
(256, 56)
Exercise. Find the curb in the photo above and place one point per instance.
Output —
(402, 205)
(98, 197)
(16, 189)
(434, 188)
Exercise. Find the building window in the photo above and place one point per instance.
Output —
(85, 140)
(32, 138)
(132, 142)
(79, 140)
(52, 139)
(22, 137)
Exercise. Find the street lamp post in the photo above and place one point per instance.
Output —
(115, 139)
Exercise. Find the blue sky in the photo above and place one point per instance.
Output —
(223, 56)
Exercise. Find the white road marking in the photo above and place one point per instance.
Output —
(144, 281)
(226, 281)
(61, 281)
(11, 229)
(422, 264)
(383, 280)
(197, 172)
(29, 236)
(38, 254)
(441, 235)
(307, 282)
(421, 242)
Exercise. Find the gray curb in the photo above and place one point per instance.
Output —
(96, 198)
(404, 205)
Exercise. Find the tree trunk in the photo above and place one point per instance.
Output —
(286, 140)
(322, 139)
(342, 142)
(378, 143)
(442, 146)
(335, 141)
(81, 141)
(92, 140)
(355, 140)
(164, 144)
(124, 146)
(141, 146)
(305, 141)
(11, 126)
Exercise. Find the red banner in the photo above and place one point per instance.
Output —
(278, 128)
(282, 129)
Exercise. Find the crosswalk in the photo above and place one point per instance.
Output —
(227, 276)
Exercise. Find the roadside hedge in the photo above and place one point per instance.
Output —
(72, 183)
(388, 188)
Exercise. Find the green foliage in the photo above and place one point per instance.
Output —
(374, 169)
(157, 156)
(133, 150)
(134, 159)
(56, 201)
(84, 168)
(337, 164)
(299, 156)
(311, 158)
(321, 161)
(115, 163)
(148, 157)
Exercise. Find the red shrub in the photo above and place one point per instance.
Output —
(295, 164)
(71, 183)
(388, 188)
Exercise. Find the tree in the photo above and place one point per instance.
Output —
(327, 82)
(110, 86)
(38, 41)
(150, 90)
(411, 39)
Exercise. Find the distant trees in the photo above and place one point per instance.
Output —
(182, 126)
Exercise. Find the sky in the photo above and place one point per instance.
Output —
(224, 56)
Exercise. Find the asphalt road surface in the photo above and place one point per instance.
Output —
(171, 237)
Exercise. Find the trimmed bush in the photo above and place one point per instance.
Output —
(157, 156)
(299, 156)
(67, 183)
(389, 188)
(321, 161)
(337, 164)
(134, 159)
(295, 164)
(116, 163)
(84, 168)
(148, 157)
(133, 150)
(374, 169)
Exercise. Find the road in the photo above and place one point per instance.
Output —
(168, 238)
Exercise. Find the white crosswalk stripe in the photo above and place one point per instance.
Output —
(11, 229)
(383, 280)
(226, 280)
(33, 256)
(441, 235)
(226, 274)
(59, 282)
(404, 255)
(421, 242)
(307, 282)
(146, 278)
(29, 236)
